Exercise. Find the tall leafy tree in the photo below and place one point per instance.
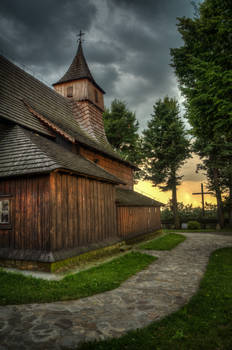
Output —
(121, 129)
(166, 147)
(203, 66)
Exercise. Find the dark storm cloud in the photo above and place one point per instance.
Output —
(37, 31)
(127, 43)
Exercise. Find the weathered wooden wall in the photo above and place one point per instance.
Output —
(114, 167)
(63, 211)
(59, 211)
(83, 89)
(132, 221)
(30, 213)
(83, 211)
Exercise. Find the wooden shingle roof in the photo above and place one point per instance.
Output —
(23, 152)
(78, 69)
(131, 198)
(17, 87)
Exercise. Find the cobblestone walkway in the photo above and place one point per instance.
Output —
(162, 288)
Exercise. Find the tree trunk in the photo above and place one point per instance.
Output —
(219, 199)
(175, 208)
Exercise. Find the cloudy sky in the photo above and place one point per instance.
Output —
(126, 44)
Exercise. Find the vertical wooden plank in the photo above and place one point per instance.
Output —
(88, 210)
(103, 210)
(29, 216)
(95, 190)
(99, 210)
(46, 210)
(41, 214)
(70, 214)
(24, 213)
(17, 213)
(85, 213)
(53, 215)
(59, 211)
(34, 212)
(75, 209)
(80, 210)
(92, 213)
(104, 189)
(64, 211)
(110, 213)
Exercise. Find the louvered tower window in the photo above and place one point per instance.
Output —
(69, 91)
(96, 96)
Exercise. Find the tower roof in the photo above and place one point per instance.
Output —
(78, 69)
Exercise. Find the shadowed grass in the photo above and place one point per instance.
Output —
(204, 324)
(166, 242)
(19, 289)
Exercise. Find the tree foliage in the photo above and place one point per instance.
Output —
(187, 212)
(121, 129)
(166, 148)
(203, 66)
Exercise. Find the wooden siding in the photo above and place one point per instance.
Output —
(59, 211)
(83, 211)
(133, 221)
(83, 89)
(114, 167)
(29, 215)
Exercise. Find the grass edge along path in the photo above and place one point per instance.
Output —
(166, 242)
(204, 323)
(19, 289)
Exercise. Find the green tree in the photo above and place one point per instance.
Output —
(203, 67)
(121, 129)
(166, 147)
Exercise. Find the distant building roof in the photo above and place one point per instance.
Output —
(23, 152)
(78, 69)
(131, 198)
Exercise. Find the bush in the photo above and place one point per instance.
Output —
(194, 225)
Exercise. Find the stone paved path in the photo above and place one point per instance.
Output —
(150, 295)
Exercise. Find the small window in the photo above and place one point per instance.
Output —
(5, 213)
(96, 96)
(69, 91)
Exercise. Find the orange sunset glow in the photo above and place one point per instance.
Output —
(191, 183)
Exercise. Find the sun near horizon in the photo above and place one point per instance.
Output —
(191, 183)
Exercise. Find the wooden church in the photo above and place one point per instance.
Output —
(64, 191)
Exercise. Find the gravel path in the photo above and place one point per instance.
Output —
(161, 289)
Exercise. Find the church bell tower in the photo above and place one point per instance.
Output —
(85, 95)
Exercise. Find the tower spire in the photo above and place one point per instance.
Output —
(79, 68)
(85, 96)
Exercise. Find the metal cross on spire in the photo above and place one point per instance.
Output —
(80, 36)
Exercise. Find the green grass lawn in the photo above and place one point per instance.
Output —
(19, 289)
(167, 242)
(204, 324)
